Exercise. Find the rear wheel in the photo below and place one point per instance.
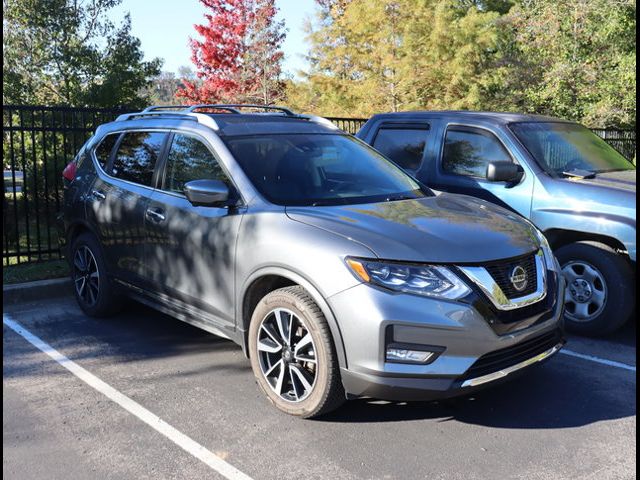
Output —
(292, 354)
(600, 285)
(93, 290)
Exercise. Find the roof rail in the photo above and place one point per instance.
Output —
(189, 113)
(155, 108)
(234, 107)
(321, 120)
(196, 117)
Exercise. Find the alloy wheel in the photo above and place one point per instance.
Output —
(586, 293)
(287, 355)
(86, 275)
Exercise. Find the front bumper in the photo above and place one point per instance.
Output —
(467, 331)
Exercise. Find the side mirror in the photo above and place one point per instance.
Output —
(504, 172)
(206, 193)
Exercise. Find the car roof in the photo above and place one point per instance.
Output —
(231, 124)
(500, 117)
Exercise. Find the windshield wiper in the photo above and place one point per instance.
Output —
(579, 173)
(394, 198)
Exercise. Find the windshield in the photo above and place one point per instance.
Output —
(320, 169)
(568, 147)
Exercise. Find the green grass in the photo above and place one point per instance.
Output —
(28, 272)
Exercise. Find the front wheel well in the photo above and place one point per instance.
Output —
(257, 291)
(559, 238)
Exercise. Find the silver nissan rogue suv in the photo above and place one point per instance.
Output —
(338, 274)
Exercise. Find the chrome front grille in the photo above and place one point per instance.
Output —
(499, 287)
(501, 273)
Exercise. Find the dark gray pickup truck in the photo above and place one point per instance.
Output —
(571, 184)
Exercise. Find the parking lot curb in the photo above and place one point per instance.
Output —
(35, 291)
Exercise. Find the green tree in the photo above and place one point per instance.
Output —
(388, 55)
(577, 59)
(68, 52)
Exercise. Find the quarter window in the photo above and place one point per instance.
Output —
(405, 146)
(468, 151)
(103, 152)
(190, 159)
(137, 156)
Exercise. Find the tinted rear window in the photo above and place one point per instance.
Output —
(137, 156)
(104, 149)
(405, 146)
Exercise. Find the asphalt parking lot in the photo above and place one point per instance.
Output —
(573, 417)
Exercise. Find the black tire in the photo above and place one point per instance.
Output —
(106, 301)
(327, 393)
(619, 287)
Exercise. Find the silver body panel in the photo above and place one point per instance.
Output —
(200, 262)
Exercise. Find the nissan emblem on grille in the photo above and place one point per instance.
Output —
(518, 278)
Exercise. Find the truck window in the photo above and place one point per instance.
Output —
(405, 146)
(467, 151)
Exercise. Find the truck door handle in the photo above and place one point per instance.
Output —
(155, 215)
(98, 195)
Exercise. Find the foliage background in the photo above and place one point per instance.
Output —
(574, 59)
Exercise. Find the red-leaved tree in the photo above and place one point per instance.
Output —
(239, 56)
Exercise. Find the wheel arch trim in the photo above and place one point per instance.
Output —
(311, 289)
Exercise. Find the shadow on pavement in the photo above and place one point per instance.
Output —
(562, 393)
(554, 395)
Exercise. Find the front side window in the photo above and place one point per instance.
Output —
(189, 159)
(405, 146)
(103, 152)
(320, 169)
(137, 156)
(468, 151)
(568, 147)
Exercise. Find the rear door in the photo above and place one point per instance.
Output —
(190, 250)
(119, 199)
(404, 143)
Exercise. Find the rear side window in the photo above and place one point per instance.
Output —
(405, 146)
(104, 149)
(468, 151)
(190, 159)
(137, 156)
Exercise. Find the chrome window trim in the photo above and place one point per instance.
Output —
(483, 279)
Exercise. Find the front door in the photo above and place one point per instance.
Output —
(463, 164)
(191, 250)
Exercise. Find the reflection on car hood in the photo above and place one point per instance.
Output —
(447, 228)
(625, 180)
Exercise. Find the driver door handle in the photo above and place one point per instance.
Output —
(155, 215)
(98, 195)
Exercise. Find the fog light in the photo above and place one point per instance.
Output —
(403, 355)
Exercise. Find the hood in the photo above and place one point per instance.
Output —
(624, 180)
(444, 229)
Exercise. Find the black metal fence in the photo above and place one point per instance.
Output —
(38, 142)
(622, 140)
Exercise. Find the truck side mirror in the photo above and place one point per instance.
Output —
(504, 171)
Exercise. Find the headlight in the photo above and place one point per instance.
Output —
(549, 257)
(427, 280)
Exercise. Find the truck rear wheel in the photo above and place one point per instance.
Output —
(599, 297)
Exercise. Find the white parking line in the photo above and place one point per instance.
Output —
(190, 446)
(602, 361)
